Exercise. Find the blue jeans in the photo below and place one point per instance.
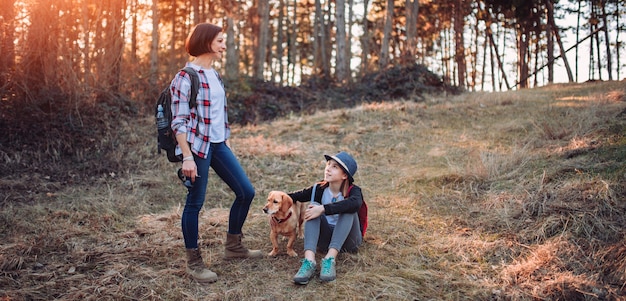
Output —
(227, 167)
(345, 236)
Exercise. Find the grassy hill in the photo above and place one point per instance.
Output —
(481, 196)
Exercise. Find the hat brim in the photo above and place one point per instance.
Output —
(343, 165)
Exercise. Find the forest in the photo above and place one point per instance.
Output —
(490, 136)
(59, 59)
(86, 50)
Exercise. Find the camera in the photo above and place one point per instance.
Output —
(186, 181)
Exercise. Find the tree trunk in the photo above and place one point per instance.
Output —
(232, 57)
(492, 64)
(251, 31)
(578, 13)
(40, 62)
(563, 54)
(503, 77)
(550, 44)
(318, 43)
(292, 44)
(412, 9)
(341, 66)
(326, 48)
(522, 56)
(495, 49)
(195, 4)
(474, 71)
(114, 38)
(86, 45)
(484, 66)
(279, 42)
(555, 30)
(349, 38)
(133, 33)
(7, 48)
(593, 35)
(607, 41)
(598, 53)
(365, 41)
(595, 21)
(536, 54)
(261, 56)
(154, 49)
(322, 58)
(171, 62)
(445, 61)
(618, 43)
(384, 52)
(459, 44)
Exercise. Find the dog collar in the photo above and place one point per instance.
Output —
(282, 220)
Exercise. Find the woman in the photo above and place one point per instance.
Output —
(202, 134)
(331, 220)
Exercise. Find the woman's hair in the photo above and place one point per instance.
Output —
(199, 40)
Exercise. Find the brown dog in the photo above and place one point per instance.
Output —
(286, 219)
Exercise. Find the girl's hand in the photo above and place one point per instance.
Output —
(313, 211)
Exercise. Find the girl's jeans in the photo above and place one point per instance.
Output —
(344, 237)
(227, 167)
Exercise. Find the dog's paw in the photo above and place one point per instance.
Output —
(292, 253)
(273, 253)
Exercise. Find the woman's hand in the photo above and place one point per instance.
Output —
(313, 211)
(190, 170)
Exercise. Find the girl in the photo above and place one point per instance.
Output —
(331, 220)
(202, 134)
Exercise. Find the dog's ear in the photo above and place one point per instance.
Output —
(286, 202)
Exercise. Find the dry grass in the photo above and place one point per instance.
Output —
(483, 196)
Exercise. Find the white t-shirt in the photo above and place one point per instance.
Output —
(217, 130)
(328, 198)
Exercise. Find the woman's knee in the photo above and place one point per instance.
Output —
(249, 193)
(193, 203)
(192, 207)
(246, 194)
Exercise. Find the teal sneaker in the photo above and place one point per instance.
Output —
(328, 272)
(305, 273)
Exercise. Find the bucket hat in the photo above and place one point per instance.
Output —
(347, 163)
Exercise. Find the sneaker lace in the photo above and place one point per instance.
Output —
(307, 265)
(326, 265)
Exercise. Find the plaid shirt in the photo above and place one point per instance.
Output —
(195, 122)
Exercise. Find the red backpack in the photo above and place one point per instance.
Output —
(362, 214)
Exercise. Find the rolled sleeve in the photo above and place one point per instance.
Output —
(179, 89)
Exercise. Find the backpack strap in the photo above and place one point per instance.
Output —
(195, 86)
(362, 213)
(313, 192)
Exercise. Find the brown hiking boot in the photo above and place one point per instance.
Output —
(197, 269)
(234, 249)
